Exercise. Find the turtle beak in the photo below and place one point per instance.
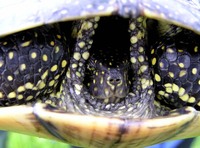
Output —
(47, 122)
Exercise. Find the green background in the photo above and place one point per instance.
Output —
(16, 140)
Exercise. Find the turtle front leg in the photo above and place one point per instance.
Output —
(73, 90)
(143, 94)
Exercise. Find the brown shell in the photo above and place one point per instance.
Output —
(95, 132)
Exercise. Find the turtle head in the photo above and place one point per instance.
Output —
(107, 82)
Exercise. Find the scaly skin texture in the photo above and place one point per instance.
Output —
(175, 62)
(138, 103)
(32, 63)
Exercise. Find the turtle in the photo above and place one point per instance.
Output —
(56, 105)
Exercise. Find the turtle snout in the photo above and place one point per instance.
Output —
(110, 86)
(115, 80)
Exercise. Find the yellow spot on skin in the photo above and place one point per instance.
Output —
(95, 88)
(139, 19)
(185, 97)
(198, 103)
(44, 75)
(10, 78)
(33, 55)
(151, 83)
(29, 98)
(52, 82)
(11, 95)
(163, 47)
(68, 74)
(133, 39)
(168, 89)
(44, 58)
(132, 26)
(5, 43)
(41, 85)
(64, 63)
(161, 64)
(171, 74)
(143, 68)
(57, 76)
(106, 91)
(57, 49)
(133, 60)
(74, 65)
(141, 59)
(199, 82)
(141, 49)
(196, 49)
(153, 61)
(194, 71)
(25, 44)
(52, 43)
(140, 35)
(150, 92)
(1, 63)
(22, 67)
(28, 85)
(161, 93)
(152, 51)
(78, 87)
(181, 91)
(191, 100)
(101, 80)
(78, 74)
(54, 68)
(157, 78)
(166, 95)
(94, 81)
(19, 97)
(20, 89)
(11, 55)
(58, 36)
(77, 56)
(168, 85)
(1, 95)
(181, 65)
(170, 50)
(77, 92)
(175, 87)
(81, 44)
(143, 81)
(85, 55)
(180, 50)
(182, 73)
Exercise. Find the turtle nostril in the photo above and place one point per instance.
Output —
(115, 81)
(118, 80)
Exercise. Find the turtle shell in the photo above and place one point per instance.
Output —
(89, 130)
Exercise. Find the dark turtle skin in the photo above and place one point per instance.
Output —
(175, 60)
(131, 58)
(32, 63)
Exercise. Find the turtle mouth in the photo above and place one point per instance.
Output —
(136, 101)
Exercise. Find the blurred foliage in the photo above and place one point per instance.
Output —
(16, 140)
(196, 143)
(23, 141)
